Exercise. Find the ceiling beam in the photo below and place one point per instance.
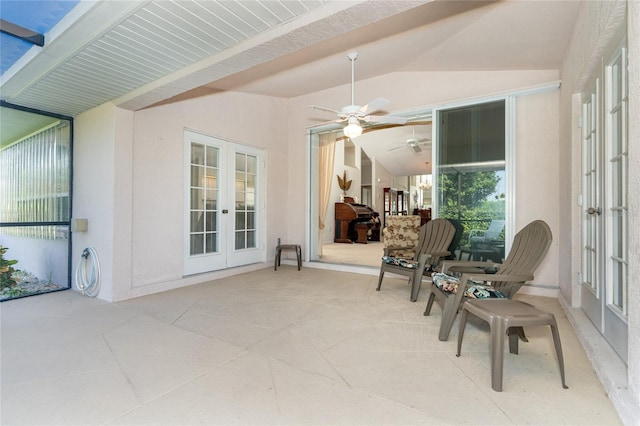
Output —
(22, 33)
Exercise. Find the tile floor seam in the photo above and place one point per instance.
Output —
(480, 388)
(121, 368)
(274, 387)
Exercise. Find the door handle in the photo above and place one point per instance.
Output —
(593, 211)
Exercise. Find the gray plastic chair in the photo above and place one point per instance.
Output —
(528, 249)
(433, 243)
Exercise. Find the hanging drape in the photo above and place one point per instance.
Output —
(327, 154)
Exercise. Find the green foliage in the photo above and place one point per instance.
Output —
(466, 197)
(6, 270)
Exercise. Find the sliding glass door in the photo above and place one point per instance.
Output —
(471, 176)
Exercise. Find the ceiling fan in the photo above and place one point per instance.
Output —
(414, 143)
(355, 114)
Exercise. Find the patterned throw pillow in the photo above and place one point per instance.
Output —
(474, 289)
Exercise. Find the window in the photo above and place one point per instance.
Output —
(35, 204)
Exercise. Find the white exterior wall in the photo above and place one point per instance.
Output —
(595, 31)
(93, 189)
(129, 183)
(633, 24)
(537, 176)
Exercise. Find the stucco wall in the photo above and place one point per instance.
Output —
(129, 183)
(158, 177)
(597, 30)
(537, 174)
(93, 188)
(633, 23)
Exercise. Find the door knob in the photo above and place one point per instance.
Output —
(592, 211)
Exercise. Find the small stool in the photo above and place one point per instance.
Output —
(281, 247)
(503, 314)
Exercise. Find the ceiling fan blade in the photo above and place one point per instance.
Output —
(397, 147)
(326, 123)
(416, 148)
(321, 108)
(393, 119)
(423, 140)
(375, 105)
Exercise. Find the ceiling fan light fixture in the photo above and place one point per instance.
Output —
(353, 129)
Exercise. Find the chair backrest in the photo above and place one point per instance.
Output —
(401, 231)
(495, 229)
(527, 252)
(435, 237)
(455, 243)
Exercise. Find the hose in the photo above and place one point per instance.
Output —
(89, 286)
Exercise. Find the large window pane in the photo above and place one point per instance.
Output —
(471, 176)
(35, 191)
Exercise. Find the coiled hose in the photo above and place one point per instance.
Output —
(88, 285)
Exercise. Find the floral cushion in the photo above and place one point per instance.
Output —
(399, 261)
(405, 263)
(474, 289)
(404, 232)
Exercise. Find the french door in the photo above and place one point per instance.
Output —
(605, 209)
(224, 204)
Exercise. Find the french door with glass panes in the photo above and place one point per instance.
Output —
(223, 204)
(605, 209)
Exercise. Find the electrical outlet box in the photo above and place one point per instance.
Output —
(79, 225)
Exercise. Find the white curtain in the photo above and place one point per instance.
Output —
(327, 154)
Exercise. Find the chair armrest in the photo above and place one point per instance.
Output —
(470, 263)
(499, 277)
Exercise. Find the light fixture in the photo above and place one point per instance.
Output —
(353, 129)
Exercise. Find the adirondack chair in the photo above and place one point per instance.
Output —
(487, 235)
(528, 249)
(435, 238)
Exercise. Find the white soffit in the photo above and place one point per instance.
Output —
(137, 53)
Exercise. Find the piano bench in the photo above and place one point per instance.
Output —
(281, 247)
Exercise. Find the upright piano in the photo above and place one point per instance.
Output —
(348, 216)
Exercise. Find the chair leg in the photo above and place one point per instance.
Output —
(299, 256)
(556, 342)
(513, 339)
(276, 260)
(427, 310)
(497, 353)
(449, 312)
(463, 324)
(380, 277)
(416, 282)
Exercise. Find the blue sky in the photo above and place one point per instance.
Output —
(37, 15)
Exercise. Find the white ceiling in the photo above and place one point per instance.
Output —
(141, 53)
